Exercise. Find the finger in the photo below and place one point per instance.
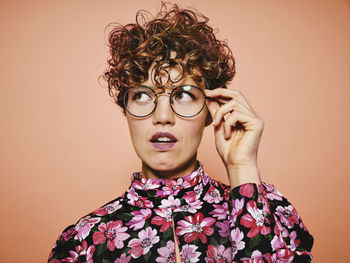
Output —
(222, 111)
(233, 105)
(219, 133)
(240, 106)
(228, 93)
(213, 106)
(230, 122)
(247, 121)
(221, 101)
(225, 94)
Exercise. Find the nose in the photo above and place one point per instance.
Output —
(163, 114)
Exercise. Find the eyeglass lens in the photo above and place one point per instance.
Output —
(186, 101)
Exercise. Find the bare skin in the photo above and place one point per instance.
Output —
(236, 143)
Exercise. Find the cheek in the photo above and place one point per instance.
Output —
(136, 129)
(193, 132)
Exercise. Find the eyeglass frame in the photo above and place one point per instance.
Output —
(170, 94)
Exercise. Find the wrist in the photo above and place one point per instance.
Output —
(243, 174)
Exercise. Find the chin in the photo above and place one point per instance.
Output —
(163, 165)
(169, 163)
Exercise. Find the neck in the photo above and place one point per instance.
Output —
(188, 167)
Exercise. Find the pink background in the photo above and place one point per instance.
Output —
(65, 148)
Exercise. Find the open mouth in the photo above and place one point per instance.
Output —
(163, 141)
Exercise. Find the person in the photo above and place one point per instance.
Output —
(169, 74)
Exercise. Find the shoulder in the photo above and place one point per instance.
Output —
(81, 229)
(84, 234)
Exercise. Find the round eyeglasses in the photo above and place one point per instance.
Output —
(186, 101)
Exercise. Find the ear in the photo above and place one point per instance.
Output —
(208, 120)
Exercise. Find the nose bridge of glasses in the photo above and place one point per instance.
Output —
(163, 109)
(163, 93)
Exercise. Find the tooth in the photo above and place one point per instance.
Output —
(163, 139)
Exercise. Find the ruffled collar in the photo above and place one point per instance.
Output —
(166, 187)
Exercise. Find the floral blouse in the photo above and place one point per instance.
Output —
(211, 223)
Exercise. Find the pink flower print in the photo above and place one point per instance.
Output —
(277, 243)
(51, 254)
(132, 195)
(247, 190)
(283, 256)
(257, 257)
(294, 242)
(237, 208)
(163, 218)
(196, 227)
(279, 229)
(194, 195)
(167, 253)
(145, 184)
(84, 226)
(190, 207)
(143, 202)
(69, 234)
(267, 258)
(220, 211)
(189, 254)
(194, 179)
(224, 229)
(302, 226)
(255, 220)
(213, 195)
(140, 216)
(218, 254)
(170, 202)
(236, 241)
(205, 178)
(198, 189)
(142, 245)
(288, 215)
(256, 254)
(264, 203)
(227, 193)
(113, 232)
(173, 186)
(123, 259)
(190, 197)
(82, 253)
(108, 209)
(139, 201)
(271, 192)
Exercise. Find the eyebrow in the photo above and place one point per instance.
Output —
(169, 87)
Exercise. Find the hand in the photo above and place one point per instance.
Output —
(237, 128)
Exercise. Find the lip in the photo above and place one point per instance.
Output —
(163, 146)
(163, 134)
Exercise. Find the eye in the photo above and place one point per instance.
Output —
(184, 94)
(141, 96)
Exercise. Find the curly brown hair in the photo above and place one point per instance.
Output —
(183, 32)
